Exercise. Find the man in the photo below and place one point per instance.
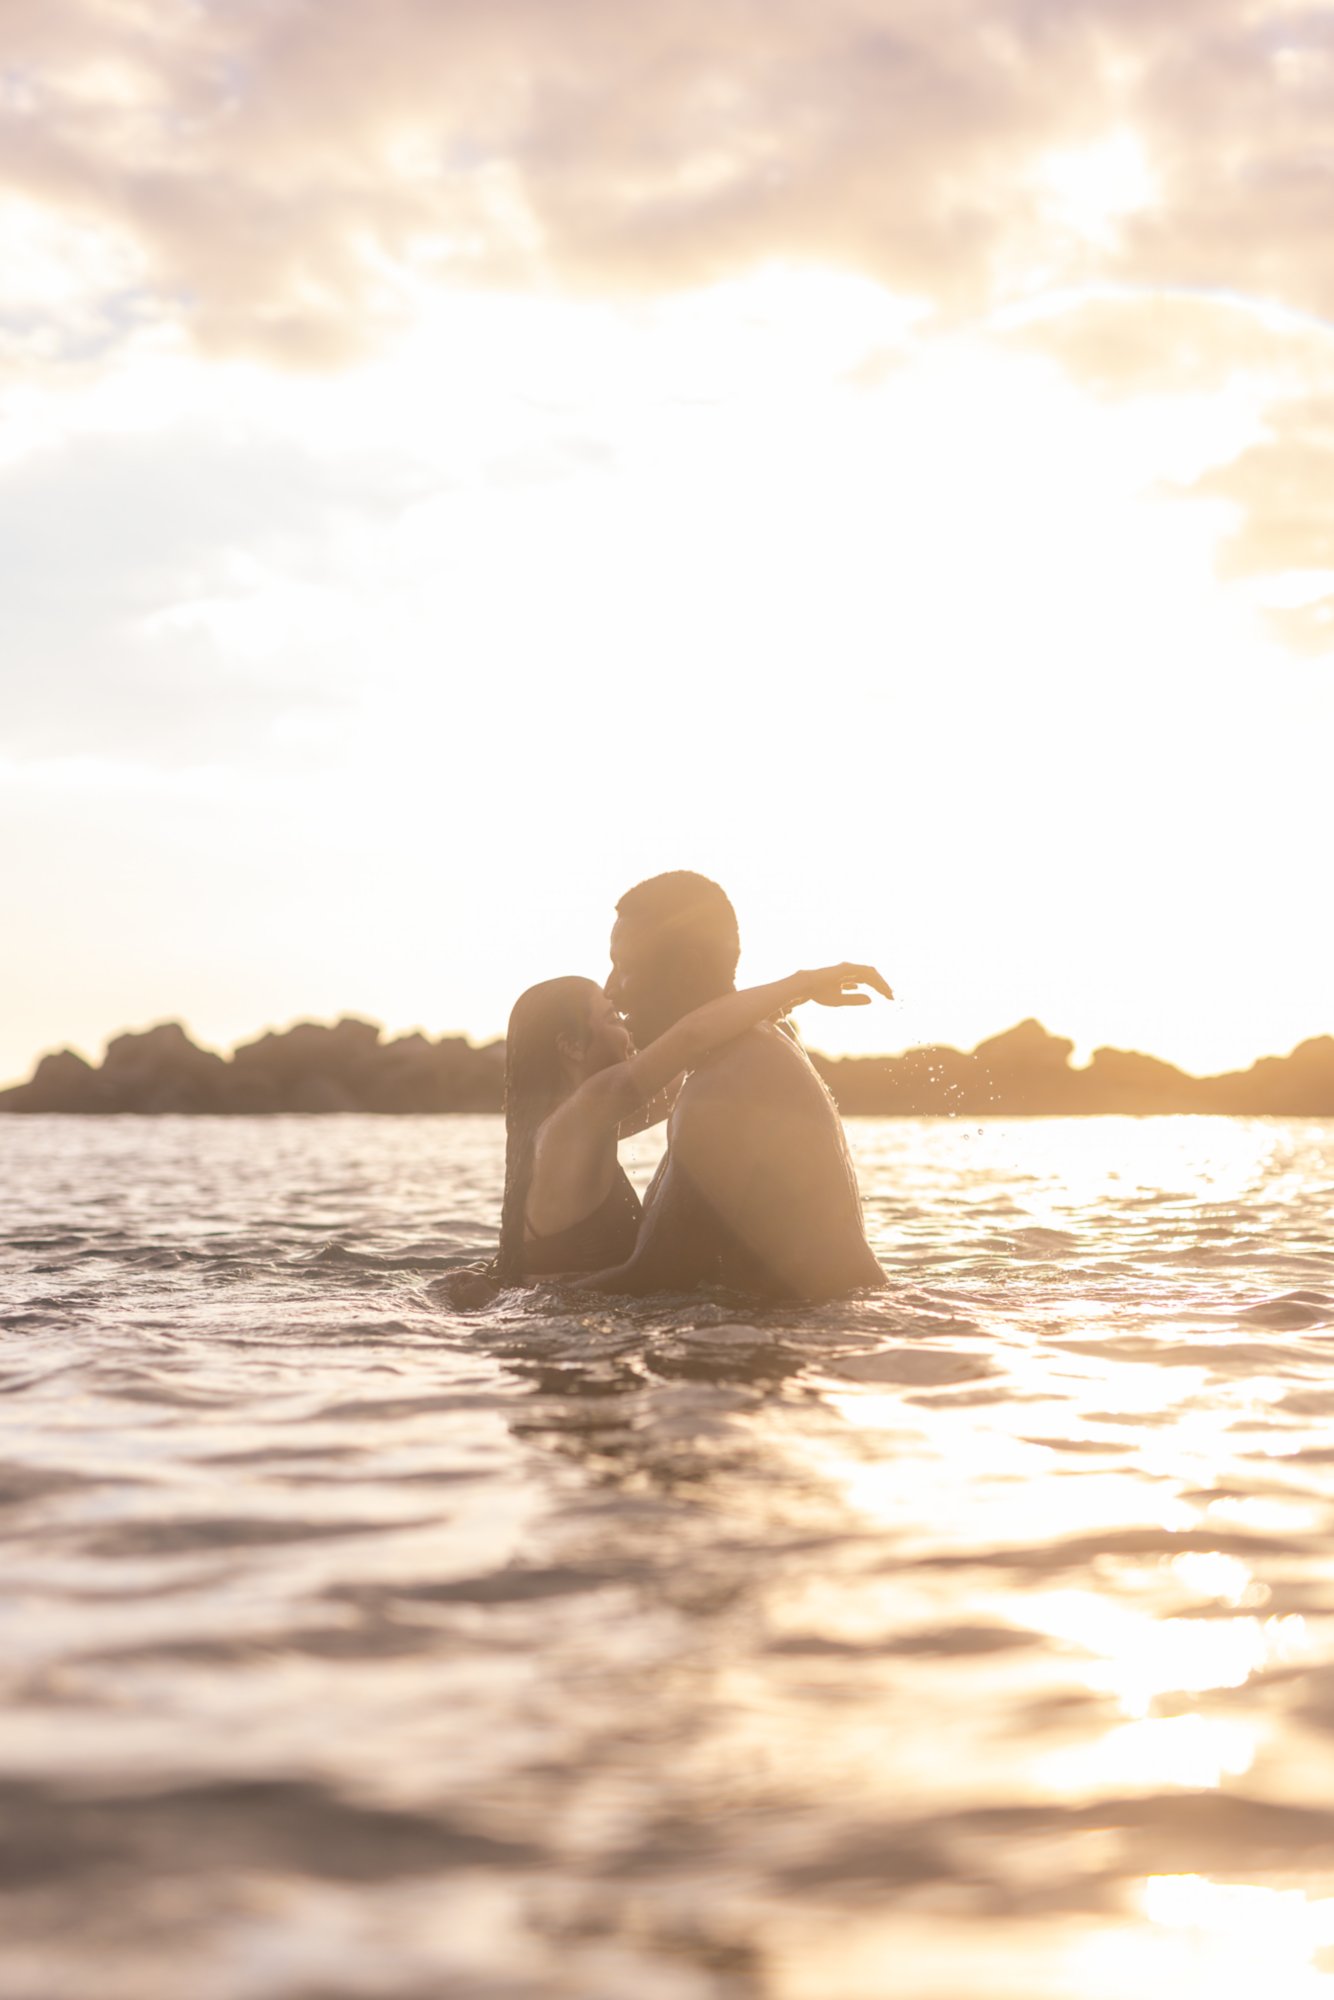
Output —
(757, 1191)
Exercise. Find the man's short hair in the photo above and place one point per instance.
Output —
(687, 915)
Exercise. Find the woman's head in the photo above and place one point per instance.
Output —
(560, 1033)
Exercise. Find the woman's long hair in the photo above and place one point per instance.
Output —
(534, 1085)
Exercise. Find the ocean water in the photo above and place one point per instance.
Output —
(972, 1642)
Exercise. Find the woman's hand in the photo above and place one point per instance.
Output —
(829, 985)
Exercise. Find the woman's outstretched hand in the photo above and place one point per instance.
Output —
(833, 985)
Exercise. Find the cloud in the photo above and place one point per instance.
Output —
(1236, 113)
(127, 567)
(1285, 492)
(293, 182)
(1306, 628)
(1154, 342)
(1274, 372)
(1282, 491)
(280, 177)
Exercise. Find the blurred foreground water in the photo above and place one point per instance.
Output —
(971, 1643)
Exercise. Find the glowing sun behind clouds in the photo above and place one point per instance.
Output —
(439, 488)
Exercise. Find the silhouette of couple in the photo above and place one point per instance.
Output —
(756, 1192)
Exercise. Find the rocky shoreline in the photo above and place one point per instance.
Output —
(310, 1068)
(349, 1067)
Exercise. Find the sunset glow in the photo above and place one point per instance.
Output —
(413, 540)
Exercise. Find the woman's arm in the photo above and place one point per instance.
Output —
(620, 1090)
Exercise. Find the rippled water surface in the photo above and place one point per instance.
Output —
(971, 1643)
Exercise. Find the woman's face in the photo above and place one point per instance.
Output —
(608, 1037)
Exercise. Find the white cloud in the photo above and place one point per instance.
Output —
(282, 178)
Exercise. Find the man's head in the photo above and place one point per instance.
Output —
(674, 946)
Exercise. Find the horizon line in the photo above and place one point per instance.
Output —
(387, 1039)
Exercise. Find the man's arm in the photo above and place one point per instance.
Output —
(619, 1091)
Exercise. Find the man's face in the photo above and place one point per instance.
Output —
(636, 984)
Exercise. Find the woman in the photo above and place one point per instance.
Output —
(574, 1086)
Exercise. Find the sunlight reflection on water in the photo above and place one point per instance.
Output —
(977, 1639)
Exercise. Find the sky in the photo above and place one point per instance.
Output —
(457, 459)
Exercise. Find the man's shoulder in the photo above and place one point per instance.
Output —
(762, 1060)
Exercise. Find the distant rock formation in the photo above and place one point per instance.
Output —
(348, 1067)
(1027, 1072)
(309, 1068)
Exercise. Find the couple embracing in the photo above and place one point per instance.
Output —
(756, 1192)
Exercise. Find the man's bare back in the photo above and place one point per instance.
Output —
(757, 1191)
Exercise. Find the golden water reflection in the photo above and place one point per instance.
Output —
(1195, 1752)
(1240, 1938)
(1137, 1658)
(976, 1640)
(1098, 1597)
(1066, 1164)
(1182, 1937)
